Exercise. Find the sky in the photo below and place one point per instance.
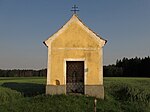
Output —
(25, 24)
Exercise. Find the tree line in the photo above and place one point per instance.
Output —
(134, 67)
(22, 73)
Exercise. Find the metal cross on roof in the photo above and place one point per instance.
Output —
(74, 9)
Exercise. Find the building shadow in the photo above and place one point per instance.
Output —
(26, 89)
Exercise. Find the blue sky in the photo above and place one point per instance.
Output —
(25, 24)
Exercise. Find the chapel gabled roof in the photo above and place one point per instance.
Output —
(78, 20)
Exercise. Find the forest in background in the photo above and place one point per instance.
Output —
(133, 67)
(23, 73)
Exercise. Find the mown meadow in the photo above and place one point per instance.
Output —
(26, 94)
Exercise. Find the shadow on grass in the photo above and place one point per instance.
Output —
(26, 89)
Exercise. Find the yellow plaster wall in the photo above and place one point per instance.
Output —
(92, 61)
(75, 43)
(74, 36)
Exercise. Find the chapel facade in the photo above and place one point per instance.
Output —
(75, 60)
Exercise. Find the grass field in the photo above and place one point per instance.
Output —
(26, 94)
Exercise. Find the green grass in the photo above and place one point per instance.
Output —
(26, 94)
(38, 80)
